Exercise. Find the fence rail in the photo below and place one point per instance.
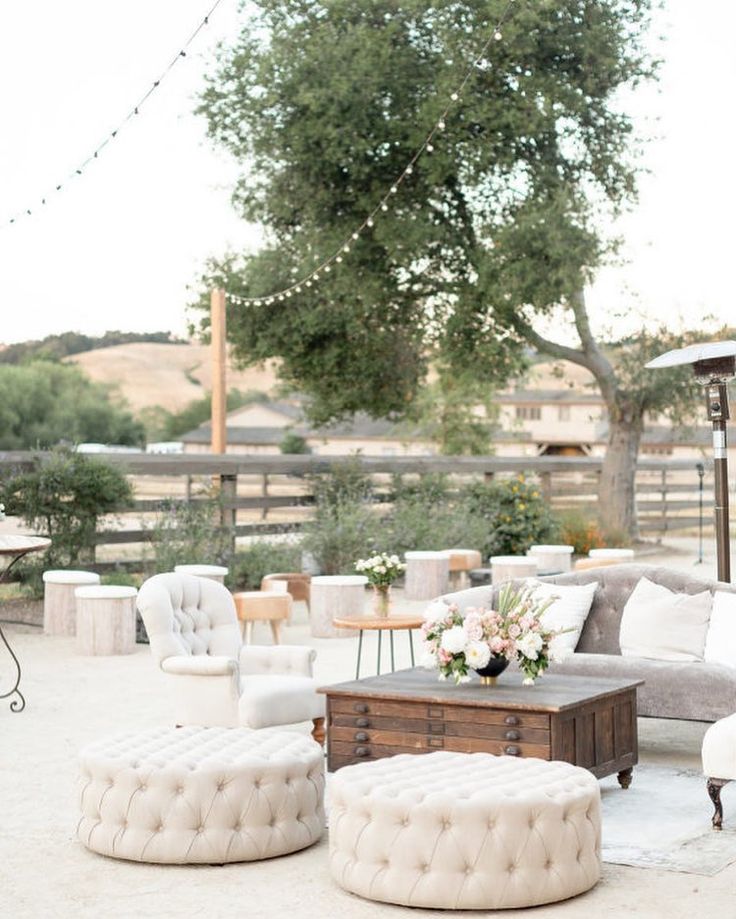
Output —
(263, 494)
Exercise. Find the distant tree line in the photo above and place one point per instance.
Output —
(56, 347)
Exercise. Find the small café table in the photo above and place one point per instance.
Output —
(12, 549)
(380, 624)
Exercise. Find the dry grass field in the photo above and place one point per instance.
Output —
(148, 373)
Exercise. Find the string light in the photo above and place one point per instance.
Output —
(132, 112)
(382, 206)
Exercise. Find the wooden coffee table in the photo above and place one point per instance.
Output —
(584, 721)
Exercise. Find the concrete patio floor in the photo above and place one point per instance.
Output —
(71, 700)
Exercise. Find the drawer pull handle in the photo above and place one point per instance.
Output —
(360, 707)
(510, 719)
(361, 722)
(512, 751)
(361, 736)
(361, 751)
(512, 735)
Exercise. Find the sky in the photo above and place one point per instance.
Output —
(118, 247)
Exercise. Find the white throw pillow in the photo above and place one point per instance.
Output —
(664, 625)
(568, 611)
(720, 642)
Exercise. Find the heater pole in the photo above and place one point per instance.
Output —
(720, 462)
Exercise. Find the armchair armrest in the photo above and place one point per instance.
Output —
(199, 665)
(283, 659)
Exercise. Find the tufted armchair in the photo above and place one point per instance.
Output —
(214, 680)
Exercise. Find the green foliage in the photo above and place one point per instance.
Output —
(250, 565)
(45, 404)
(344, 483)
(492, 227)
(580, 529)
(445, 411)
(64, 498)
(164, 425)
(516, 514)
(56, 347)
(423, 522)
(189, 533)
(292, 443)
(122, 578)
(341, 532)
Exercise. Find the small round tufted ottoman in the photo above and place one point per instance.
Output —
(465, 831)
(201, 795)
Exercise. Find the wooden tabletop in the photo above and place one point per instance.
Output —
(551, 693)
(378, 622)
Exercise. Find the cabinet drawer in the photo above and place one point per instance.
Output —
(366, 707)
(340, 723)
(389, 745)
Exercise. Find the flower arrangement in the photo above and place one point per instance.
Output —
(454, 643)
(381, 571)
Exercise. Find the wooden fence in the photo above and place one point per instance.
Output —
(272, 494)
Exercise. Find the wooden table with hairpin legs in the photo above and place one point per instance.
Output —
(380, 625)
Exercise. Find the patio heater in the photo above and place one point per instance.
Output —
(714, 364)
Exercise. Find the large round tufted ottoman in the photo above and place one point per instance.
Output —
(201, 795)
(465, 831)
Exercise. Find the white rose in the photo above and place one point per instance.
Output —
(527, 681)
(381, 569)
(454, 640)
(395, 560)
(463, 679)
(530, 645)
(477, 654)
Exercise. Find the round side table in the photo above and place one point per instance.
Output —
(380, 625)
(12, 550)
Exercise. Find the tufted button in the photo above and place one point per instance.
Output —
(143, 787)
(220, 786)
(159, 827)
(179, 790)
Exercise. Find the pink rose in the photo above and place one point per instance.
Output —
(497, 644)
(514, 630)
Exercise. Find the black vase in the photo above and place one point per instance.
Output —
(495, 666)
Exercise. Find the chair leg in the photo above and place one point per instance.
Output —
(714, 791)
(318, 731)
(248, 631)
(276, 631)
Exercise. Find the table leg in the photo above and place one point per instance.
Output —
(391, 640)
(360, 651)
(17, 705)
(380, 634)
(411, 646)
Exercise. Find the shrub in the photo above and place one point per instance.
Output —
(249, 565)
(580, 530)
(64, 498)
(190, 532)
(516, 514)
(294, 443)
(422, 522)
(344, 483)
(340, 533)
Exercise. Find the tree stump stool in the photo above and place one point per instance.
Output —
(512, 568)
(620, 556)
(462, 562)
(59, 602)
(262, 606)
(335, 597)
(552, 559)
(213, 572)
(427, 575)
(105, 620)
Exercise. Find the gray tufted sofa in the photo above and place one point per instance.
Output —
(696, 691)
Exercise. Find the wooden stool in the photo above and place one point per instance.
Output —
(59, 602)
(603, 558)
(335, 597)
(213, 572)
(552, 559)
(462, 562)
(297, 583)
(105, 619)
(427, 575)
(512, 568)
(262, 606)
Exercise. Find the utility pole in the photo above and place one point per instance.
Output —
(219, 371)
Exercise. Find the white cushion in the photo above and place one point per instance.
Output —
(266, 701)
(720, 640)
(568, 611)
(663, 625)
(719, 749)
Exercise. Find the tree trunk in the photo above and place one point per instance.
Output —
(617, 494)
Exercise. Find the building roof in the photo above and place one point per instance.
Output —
(549, 395)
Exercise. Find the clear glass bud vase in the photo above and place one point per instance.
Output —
(381, 601)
